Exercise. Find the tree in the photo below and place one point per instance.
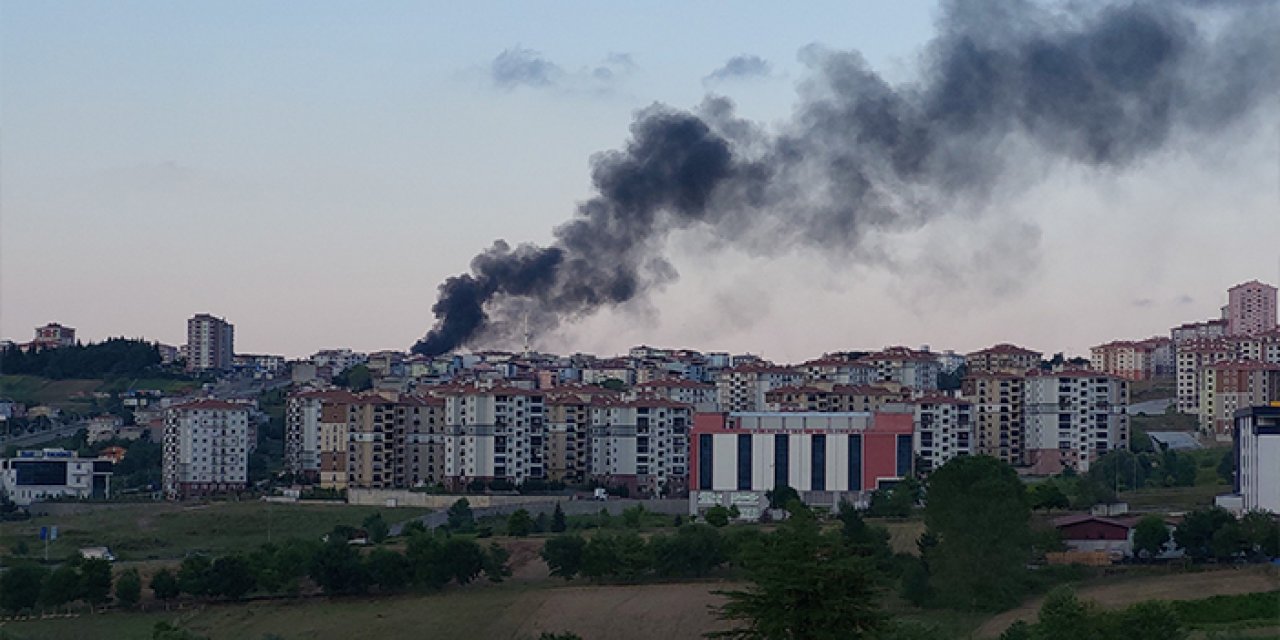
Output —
(1197, 531)
(166, 631)
(496, 568)
(1261, 533)
(1048, 495)
(231, 577)
(193, 575)
(780, 496)
(1149, 537)
(95, 581)
(129, 589)
(463, 560)
(376, 527)
(558, 523)
(694, 550)
(389, 570)
(519, 524)
(460, 517)
(1064, 617)
(563, 555)
(633, 516)
(803, 584)
(1227, 467)
(717, 516)
(337, 568)
(356, 378)
(979, 512)
(20, 586)
(61, 587)
(164, 585)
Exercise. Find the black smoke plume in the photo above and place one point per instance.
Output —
(1104, 87)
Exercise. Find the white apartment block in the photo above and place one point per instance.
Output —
(837, 370)
(307, 434)
(210, 343)
(743, 388)
(944, 429)
(642, 444)
(206, 448)
(915, 370)
(493, 433)
(1073, 418)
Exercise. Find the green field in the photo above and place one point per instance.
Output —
(160, 531)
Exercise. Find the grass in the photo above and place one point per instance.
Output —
(1173, 498)
(77, 395)
(1165, 422)
(1152, 389)
(163, 531)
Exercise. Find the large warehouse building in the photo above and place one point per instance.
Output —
(736, 458)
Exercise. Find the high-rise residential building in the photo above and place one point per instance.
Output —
(1134, 360)
(210, 343)
(1192, 331)
(999, 420)
(394, 441)
(1073, 418)
(315, 428)
(494, 433)
(1251, 308)
(700, 395)
(1003, 358)
(54, 335)
(1194, 356)
(642, 444)
(206, 448)
(943, 429)
(1231, 385)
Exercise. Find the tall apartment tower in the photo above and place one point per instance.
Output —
(210, 343)
(1251, 308)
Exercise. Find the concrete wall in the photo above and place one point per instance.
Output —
(405, 498)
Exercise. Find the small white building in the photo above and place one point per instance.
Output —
(49, 474)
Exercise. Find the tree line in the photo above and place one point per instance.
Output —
(334, 566)
(109, 358)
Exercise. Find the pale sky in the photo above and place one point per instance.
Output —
(312, 172)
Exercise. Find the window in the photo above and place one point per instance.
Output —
(744, 462)
(818, 464)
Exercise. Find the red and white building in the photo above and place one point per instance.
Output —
(735, 458)
(53, 336)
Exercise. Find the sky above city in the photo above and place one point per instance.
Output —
(313, 172)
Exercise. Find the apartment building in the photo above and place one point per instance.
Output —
(642, 444)
(53, 336)
(835, 369)
(206, 448)
(1194, 331)
(1251, 308)
(568, 441)
(700, 395)
(394, 441)
(1134, 360)
(53, 474)
(1003, 358)
(1073, 418)
(999, 419)
(494, 433)
(743, 387)
(210, 343)
(736, 458)
(915, 370)
(315, 435)
(943, 428)
(1232, 385)
(837, 397)
(1193, 356)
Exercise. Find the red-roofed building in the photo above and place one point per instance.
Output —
(1231, 385)
(1006, 358)
(915, 370)
(743, 388)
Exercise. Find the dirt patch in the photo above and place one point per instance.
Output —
(1122, 593)
(668, 611)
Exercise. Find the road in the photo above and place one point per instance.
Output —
(1151, 407)
(56, 433)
